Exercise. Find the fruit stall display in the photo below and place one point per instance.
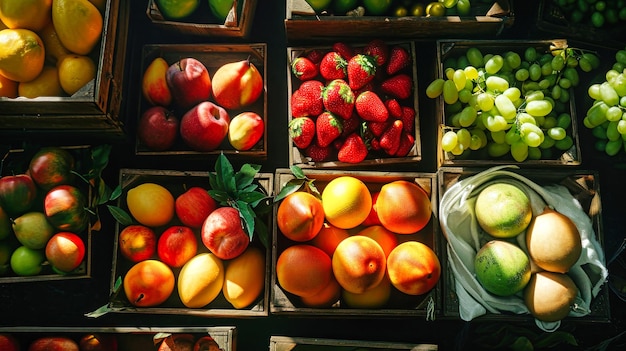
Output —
(203, 99)
(284, 343)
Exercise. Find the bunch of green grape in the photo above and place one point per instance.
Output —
(607, 115)
(598, 13)
(512, 102)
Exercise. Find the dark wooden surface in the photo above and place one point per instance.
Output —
(64, 303)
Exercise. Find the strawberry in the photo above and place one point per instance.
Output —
(390, 140)
(338, 98)
(377, 128)
(328, 127)
(345, 50)
(361, 70)
(378, 49)
(406, 144)
(318, 153)
(299, 105)
(399, 58)
(333, 66)
(303, 68)
(370, 107)
(399, 86)
(315, 55)
(311, 92)
(375, 144)
(302, 131)
(408, 118)
(351, 124)
(394, 108)
(353, 150)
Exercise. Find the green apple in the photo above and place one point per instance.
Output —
(221, 8)
(319, 5)
(26, 261)
(342, 6)
(177, 9)
(376, 7)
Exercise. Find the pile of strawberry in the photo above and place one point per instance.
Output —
(353, 102)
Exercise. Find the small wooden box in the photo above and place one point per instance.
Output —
(213, 57)
(176, 182)
(203, 23)
(584, 187)
(400, 304)
(285, 343)
(95, 108)
(128, 338)
(453, 48)
(374, 158)
(302, 24)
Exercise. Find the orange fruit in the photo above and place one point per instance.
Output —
(325, 298)
(300, 216)
(347, 202)
(22, 54)
(384, 237)
(150, 204)
(54, 49)
(8, 88)
(403, 207)
(413, 268)
(75, 71)
(359, 263)
(46, 84)
(375, 297)
(78, 23)
(329, 237)
(26, 14)
(303, 270)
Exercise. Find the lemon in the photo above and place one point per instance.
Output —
(25, 14)
(46, 84)
(150, 204)
(22, 54)
(200, 280)
(8, 88)
(54, 48)
(346, 201)
(78, 23)
(75, 71)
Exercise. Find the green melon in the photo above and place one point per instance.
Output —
(502, 268)
(503, 210)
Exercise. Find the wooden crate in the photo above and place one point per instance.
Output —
(176, 182)
(128, 338)
(95, 107)
(16, 161)
(452, 48)
(202, 23)
(585, 188)
(400, 304)
(212, 56)
(285, 343)
(297, 157)
(302, 24)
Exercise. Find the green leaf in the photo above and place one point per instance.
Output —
(252, 198)
(220, 196)
(262, 232)
(246, 175)
(291, 186)
(116, 193)
(226, 175)
(121, 216)
(100, 158)
(247, 216)
(297, 172)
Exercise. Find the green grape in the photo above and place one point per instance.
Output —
(462, 62)
(449, 3)
(584, 64)
(476, 142)
(593, 59)
(513, 59)
(453, 108)
(530, 54)
(449, 62)
(512, 135)
(465, 95)
(449, 141)
(556, 92)
(545, 58)
(458, 150)
(496, 150)
(467, 116)
(459, 79)
(564, 120)
(547, 142)
(519, 151)
(450, 94)
(496, 84)
(496, 123)
(485, 101)
(538, 107)
(620, 56)
(472, 101)
(571, 62)
(464, 137)
(572, 75)
(536, 95)
(474, 56)
(621, 126)
(498, 137)
(505, 106)
(549, 122)
(535, 72)
(453, 120)
(619, 84)
(522, 74)
(449, 73)
(513, 93)
(613, 114)
(613, 147)
(618, 66)
(557, 63)
(596, 114)
(557, 133)
(622, 101)
(594, 91)
(546, 69)
(611, 131)
(610, 75)
(494, 64)
(600, 145)
(564, 144)
(534, 153)
(524, 117)
(531, 134)
(471, 72)
(435, 88)
(565, 83)
(608, 94)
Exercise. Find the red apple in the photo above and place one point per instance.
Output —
(177, 342)
(177, 245)
(8, 342)
(51, 166)
(204, 127)
(53, 343)
(237, 84)
(206, 343)
(65, 208)
(154, 85)
(65, 251)
(17, 194)
(194, 206)
(98, 342)
(189, 82)
(137, 242)
(158, 128)
(148, 283)
(223, 233)
(245, 130)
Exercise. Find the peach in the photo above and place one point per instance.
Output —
(300, 216)
(387, 239)
(137, 242)
(149, 283)
(329, 237)
(245, 130)
(53, 343)
(413, 268)
(359, 263)
(303, 270)
(325, 298)
(375, 297)
(403, 207)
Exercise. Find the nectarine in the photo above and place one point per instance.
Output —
(303, 270)
(413, 268)
(359, 263)
(403, 207)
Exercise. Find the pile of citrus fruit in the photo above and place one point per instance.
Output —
(46, 46)
(354, 245)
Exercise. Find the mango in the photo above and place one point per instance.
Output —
(78, 24)
(200, 280)
(244, 278)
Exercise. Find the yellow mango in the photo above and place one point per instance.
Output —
(200, 280)
(244, 278)
(78, 24)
